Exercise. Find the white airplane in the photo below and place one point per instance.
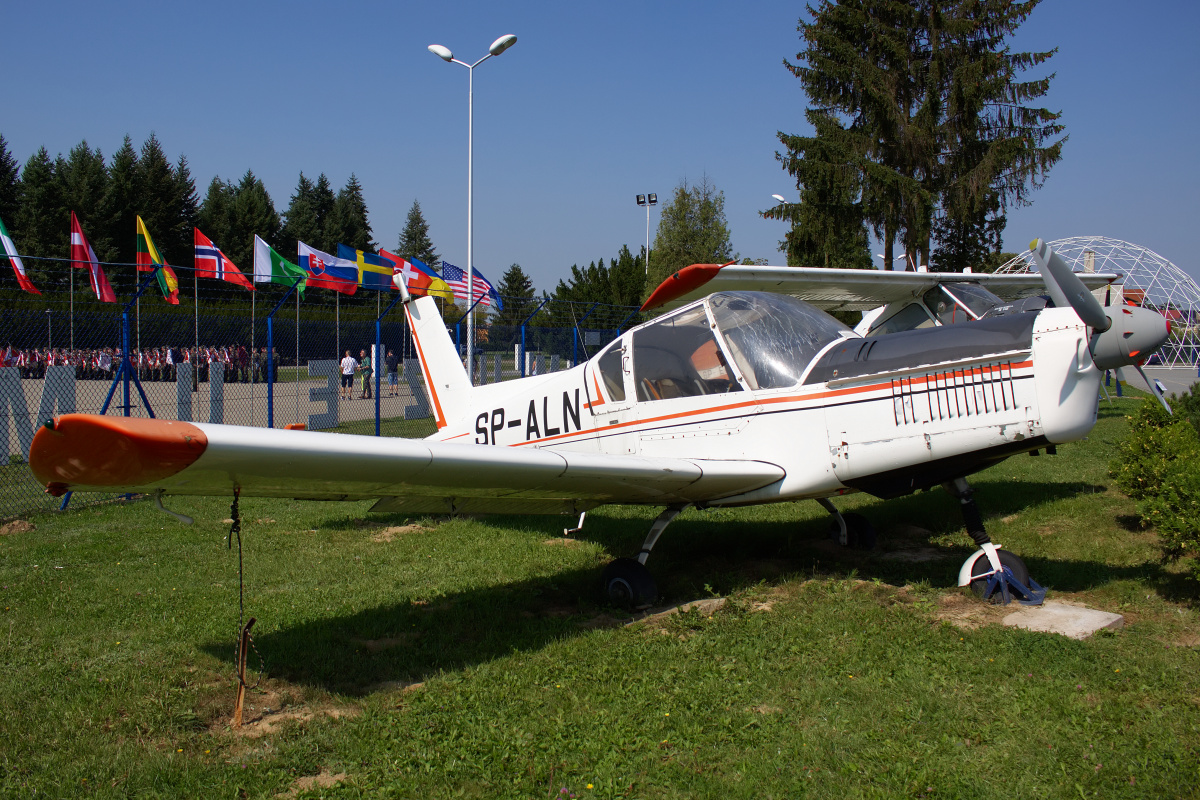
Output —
(740, 397)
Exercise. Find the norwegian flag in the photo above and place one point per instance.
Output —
(83, 256)
(212, 263)
(456, 279)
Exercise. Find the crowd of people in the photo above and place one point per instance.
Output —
(242, 364)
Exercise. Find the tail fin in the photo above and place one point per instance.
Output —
(446, 379)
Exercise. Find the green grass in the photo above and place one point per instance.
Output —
(827, 673)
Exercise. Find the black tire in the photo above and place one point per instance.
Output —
(627, 584)
(1013, 567)
(860, 533)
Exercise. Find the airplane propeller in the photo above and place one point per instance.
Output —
(1123, 338)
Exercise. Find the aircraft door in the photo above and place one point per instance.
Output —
(609, 382)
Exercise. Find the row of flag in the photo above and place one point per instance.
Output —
(344, 272)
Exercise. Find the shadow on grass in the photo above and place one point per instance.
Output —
(378, 648)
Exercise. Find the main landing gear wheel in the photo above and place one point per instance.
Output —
(860, 533)
(985, 585)
(627, 584)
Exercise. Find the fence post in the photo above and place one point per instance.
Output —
(379, 354)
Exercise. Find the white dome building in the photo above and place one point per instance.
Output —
(1151, 281)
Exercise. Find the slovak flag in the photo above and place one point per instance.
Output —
(82, 255)
(326, 271)
(418, 278)
(212, 263)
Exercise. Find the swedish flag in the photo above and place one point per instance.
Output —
(374, 272)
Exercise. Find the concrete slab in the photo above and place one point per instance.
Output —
(1077, 622)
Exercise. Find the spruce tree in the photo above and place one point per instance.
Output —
(39, 230)
(251, 213)
(323, 200)
(414, 239)
(215, 217)
(516, 289)
(10, 184)
(159, 203)
(347, 223)
(121, 205)
(301, 223)
(691, 230)
(83, 182)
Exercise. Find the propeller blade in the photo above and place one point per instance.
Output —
(1154, 390)
(1063, 284)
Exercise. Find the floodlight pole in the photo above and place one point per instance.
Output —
(647, 200)
(497, 47)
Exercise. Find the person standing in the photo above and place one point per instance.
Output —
(364, 364)
(349, 367)
(393, 365)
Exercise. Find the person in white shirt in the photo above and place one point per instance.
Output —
(349, 367)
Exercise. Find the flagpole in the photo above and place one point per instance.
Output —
(71, 271)
(296, 374)
(337, 326)
(253, 297)
(196, 332)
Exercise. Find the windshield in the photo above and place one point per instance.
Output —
(941, 301)
(772, 337)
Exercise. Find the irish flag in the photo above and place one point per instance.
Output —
(270, 267)
(148, 259)
(10, 250)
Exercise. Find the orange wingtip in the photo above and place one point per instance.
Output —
(88, 450)
(680, 283)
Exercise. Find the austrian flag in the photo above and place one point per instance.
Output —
(84, 257)
(212, 263)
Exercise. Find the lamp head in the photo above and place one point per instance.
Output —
(442, 52)
(502, 44)
(652, 199)
(779, 197)
(641, 201)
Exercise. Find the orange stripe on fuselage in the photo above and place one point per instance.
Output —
(746, 404)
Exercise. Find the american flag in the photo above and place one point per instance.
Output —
(456, 279)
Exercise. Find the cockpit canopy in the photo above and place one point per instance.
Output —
(730, 341)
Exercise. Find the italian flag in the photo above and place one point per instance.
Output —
(148, 259)
(270, 267)
(10, 250)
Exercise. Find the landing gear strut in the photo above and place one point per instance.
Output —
(850, 529)
(996, 575)
(626, 583)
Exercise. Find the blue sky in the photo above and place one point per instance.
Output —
(595, 103)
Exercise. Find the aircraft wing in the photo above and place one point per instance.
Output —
(84, 452)
(849, 289)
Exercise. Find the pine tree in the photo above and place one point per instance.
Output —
(627, 277)
(347, 223)
(691, 230)
(159, 204)
(189, 207)
(215, 217)
(121, 205)
(414, 239)
(10, 183)
(39, 230)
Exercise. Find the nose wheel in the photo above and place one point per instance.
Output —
(1010, 582)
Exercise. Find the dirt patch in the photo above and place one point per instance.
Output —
(394, 686)
(322, 781)
(563, 541)
(765, 709)
(273, 721)
(389, 534)
(916, 555)
(764, 606)
(967, 611)
(16, 526)
(707, 607)
(269, 711)
(1187, 640)
(905, 531)
(379, 645)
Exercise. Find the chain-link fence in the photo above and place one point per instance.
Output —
(268, 358)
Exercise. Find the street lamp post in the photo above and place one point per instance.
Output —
(498, 47)
(647, 200)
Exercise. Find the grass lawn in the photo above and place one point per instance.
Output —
(427, 657)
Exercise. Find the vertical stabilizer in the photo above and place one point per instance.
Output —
(445, 378)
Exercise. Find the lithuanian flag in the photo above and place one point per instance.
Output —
(149, 260)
